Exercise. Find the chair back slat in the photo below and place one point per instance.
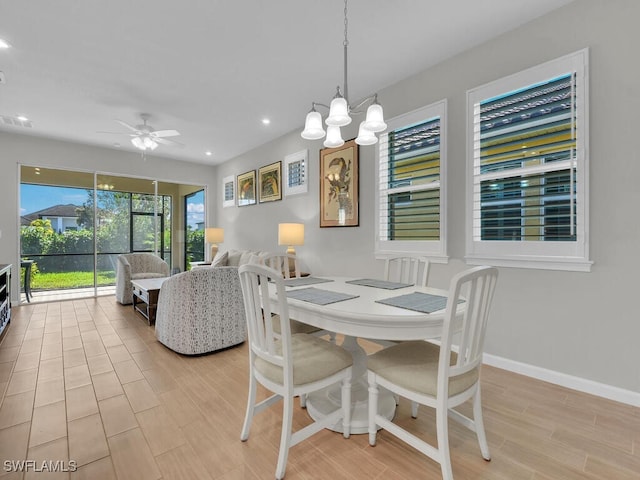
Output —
(414, 270)
(255, 280)
(471, 292)
(283, 262)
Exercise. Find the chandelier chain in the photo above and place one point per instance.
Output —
(346, 24)
(345, 48)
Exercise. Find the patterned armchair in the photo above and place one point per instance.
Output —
(134, 266)
(201, 311)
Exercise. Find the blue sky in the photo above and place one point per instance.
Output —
(38, 197)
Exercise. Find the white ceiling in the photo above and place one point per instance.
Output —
(212, 69)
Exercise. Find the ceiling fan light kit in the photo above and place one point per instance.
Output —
(340, 112)
(144, 142)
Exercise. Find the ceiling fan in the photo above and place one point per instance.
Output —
(145, 137)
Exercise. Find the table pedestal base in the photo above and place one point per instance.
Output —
(324, 402)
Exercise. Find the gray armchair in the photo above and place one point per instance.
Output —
(134, 266)
(201, 311)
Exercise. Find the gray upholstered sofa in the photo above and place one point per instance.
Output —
(134, 266)
(236, 258)
(201, 311)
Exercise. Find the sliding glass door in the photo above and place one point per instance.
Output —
(75, 224)
(194, 227)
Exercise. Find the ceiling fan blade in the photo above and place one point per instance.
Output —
(165, 133)
(164, 141)
(130, 127)
(118, 133)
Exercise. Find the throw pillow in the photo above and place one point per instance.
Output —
(221, 260)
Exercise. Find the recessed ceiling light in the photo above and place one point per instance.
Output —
(4, 44)
(266, 121)
(22, 118)
(208, 153)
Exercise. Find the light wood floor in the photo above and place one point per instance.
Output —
(86, 381)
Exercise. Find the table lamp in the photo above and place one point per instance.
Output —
(291, 234)
(214, 236)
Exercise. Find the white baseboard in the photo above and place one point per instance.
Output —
(569, 381)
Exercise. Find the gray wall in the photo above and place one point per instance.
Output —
(16, 150)
(580, 324)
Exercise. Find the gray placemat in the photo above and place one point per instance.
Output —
(371, 282)
(417, 301)
(296, 282)
(319, 296)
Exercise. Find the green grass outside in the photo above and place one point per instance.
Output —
(63, 280)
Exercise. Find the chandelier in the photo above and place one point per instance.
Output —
(340, 110)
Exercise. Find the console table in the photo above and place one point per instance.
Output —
(145, 296)
(5, 298)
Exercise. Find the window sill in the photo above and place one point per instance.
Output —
(569, 264)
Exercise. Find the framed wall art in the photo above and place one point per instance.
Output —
(228, 192)
(339, 186)
(246, 188)
(270, 182)
(295, 173)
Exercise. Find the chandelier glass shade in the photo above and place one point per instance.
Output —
(313, 126)
(340, 112)
(334, 137)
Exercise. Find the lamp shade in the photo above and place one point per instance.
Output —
(291, 234)
(214, 235)
(375, 118)
(313, 126)
(334, 137)
(338, 113)
(365, 136)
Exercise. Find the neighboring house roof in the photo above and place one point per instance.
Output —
(68, 210)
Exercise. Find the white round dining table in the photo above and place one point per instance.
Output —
(361, 317)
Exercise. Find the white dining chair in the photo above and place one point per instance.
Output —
(286, 263)
(407, 269)
(290, 268)
(435, 375)
(288, 365)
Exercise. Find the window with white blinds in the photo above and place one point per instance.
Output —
(528, 201)
(411, 179)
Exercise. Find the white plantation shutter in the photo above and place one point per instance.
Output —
(528, 160)
(411, 183)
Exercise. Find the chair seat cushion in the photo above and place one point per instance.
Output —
(414, 366)
(296, 326)
(313, 359)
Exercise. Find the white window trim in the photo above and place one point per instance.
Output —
(570, 256)
(232, 202)
(302, 155)
(434, 250)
